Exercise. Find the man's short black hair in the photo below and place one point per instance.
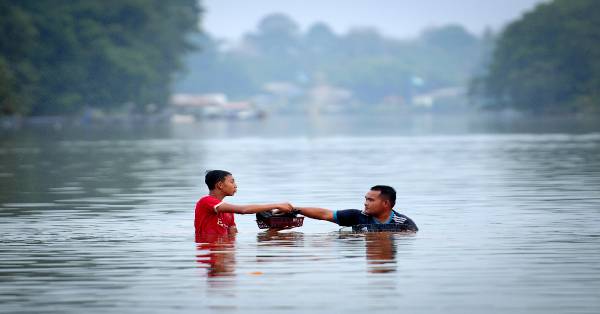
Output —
(213, 177)
(387, 192)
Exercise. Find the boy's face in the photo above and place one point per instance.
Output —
(228, 186)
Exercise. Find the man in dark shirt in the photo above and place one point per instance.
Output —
(379, 204)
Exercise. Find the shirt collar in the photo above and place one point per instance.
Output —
(388, 221)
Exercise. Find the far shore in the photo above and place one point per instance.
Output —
(505, 120)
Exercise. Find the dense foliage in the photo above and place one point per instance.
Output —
(370, 65)
(57, 56)
(548, 61)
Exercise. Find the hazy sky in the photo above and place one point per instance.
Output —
(229, 19)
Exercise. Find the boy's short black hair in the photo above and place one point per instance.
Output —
(387, 192)
(213, 177)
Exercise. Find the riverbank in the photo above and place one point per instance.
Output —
(501, 120)
(65, 121)
(376, 124)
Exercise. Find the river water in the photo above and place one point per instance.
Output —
(95, 221)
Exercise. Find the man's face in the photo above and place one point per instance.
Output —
(228, 186)
(374, 205)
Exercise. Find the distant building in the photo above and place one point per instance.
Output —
(279, 95)
(191, 107)
(198, 100)
(327, 98)
(438, 97)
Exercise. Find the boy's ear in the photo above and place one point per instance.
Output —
(219, 185)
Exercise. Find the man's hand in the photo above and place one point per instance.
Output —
(316, 213)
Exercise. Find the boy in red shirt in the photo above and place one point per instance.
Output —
(214, 216)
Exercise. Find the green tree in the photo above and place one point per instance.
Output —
(373, 79)
(271, 54)
(90, 53)
(211, 70)
(363, 61)
(18, 77)
(548, 61)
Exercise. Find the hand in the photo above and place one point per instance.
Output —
(285, 207)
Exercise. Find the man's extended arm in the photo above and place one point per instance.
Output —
(316, 213)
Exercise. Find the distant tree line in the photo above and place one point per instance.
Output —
(546, 62)
(57, 56)
(364, 61)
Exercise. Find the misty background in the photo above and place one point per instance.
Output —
(335, 57)
(230, 20)
(187, 61)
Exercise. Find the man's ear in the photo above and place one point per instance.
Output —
(388, 203)
(219, 185)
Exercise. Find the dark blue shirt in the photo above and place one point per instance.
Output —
(352, 217)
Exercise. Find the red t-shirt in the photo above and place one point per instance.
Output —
(208, 220)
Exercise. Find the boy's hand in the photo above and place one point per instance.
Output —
(285, 207)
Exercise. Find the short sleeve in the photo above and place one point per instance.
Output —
(347, 217)
(212, 202)
(410, 224)
(406, 222)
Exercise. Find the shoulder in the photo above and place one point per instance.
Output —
(399, 218)
(404, 220)
(349, 213)
(349, 217)
(208, 201)
(205, 198)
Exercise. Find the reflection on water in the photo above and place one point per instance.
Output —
(381, 252)
(104, 223)
(216, 254)
(276, 238)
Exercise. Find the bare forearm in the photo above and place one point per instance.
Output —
(316, 213)
(251, 209)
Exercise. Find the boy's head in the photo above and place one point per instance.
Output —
(220, 179)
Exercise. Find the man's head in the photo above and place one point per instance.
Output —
(381, 198)
(220, 180)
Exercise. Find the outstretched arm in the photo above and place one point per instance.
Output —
(253, 209)
(316, 213)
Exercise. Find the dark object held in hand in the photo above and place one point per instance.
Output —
(268, 220)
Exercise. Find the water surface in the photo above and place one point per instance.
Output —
(93, 221)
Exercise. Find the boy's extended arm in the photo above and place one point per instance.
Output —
(253, 209)
(316, 213)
